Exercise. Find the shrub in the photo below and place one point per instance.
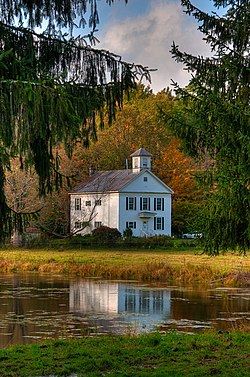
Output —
(149, 242)
(128, 233)
(106, 234)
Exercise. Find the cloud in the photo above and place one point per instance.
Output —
(147, 38)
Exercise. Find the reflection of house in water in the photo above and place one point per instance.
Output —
(93, 297)
(143, 300)
(130, 303)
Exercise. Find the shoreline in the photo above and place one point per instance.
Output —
(175, 267)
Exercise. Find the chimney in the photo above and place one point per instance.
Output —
(91, 171)
(126, 164)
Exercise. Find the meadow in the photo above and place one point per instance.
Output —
(178, 266)
(154, 355)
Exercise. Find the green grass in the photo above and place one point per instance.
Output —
(153, 355)
(169, 266)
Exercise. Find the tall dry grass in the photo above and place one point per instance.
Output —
(174, 267)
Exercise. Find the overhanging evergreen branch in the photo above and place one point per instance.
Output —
(58, 13)
(53, 88)
(67, 60)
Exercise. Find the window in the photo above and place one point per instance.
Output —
(131, 224)
(145, 162)
(78, 225)
(98, 202)
(144, 204)
(98, 224)
(158, 223)
(145, 179)
(81, 225)
(130, 203)
(78, 204)
(159, 204)
(88, 203)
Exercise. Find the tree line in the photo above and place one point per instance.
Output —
(209, 118)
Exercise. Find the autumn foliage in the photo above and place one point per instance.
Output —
(138, 124)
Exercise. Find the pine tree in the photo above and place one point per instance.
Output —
(216, 122)
(53, 87)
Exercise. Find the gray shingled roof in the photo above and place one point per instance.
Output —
(103, 181)
(140, 152)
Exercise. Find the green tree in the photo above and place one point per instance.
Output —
(139, 124)
(53, 87)
(216, 121)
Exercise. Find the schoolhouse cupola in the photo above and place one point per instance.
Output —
(141, 159)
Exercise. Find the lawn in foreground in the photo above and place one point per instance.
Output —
(154, 355)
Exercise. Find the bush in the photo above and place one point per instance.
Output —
(105, 234)
(149, 242)
(128, 233)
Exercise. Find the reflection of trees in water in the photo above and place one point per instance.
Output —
(204, 305)
(27, 295)
(16, 327)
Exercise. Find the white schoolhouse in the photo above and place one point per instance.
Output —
(130, 198)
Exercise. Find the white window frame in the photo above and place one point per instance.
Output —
(78, 225)
(130, 224)
(159, 223)
(78, 204)
(144, 162)
(130, 203)
(97, 224)
(159, 204)
(144, 204)
(81, 224)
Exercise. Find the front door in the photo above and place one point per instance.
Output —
(145, 228)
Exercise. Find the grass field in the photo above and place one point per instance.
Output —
(170, 266)
(155, 355)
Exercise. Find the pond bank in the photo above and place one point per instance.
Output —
(155, 355)
(176, 267)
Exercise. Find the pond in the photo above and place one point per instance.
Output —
(36, 307)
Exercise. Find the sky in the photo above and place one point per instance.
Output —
(143, 31)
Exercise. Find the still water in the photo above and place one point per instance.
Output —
(37, 307)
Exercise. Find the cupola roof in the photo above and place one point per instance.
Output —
(141, 152)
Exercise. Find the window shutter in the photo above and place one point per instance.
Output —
(126, 224)
(154, 223)
(135, 203)
(154, 204)
(149, 204)
(162, 204)
(140, 204)
(162, 223)
(126, 203)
